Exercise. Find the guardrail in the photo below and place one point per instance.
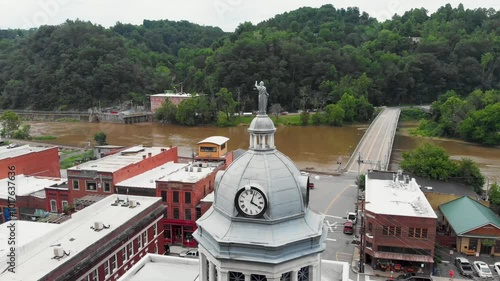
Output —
(389, 152)
(44, 112)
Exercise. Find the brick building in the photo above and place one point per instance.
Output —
(100, 242)
(30, 199)
(100, 176)
(175, 98)
(30, 161)
(182, 192)
(181, 187)
(57, 198)
(399, 224)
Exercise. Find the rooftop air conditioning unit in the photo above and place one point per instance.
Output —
(204, 165)
(58, 252)
(199, 169)
(191, 168)
(186, 168)
(98, 225)
(132, 203)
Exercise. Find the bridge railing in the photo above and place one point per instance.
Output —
(23, 111)
(389, 152)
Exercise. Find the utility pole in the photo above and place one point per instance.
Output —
(362, 239)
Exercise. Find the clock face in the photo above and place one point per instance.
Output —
(251, 202)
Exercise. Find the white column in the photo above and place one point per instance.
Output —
(203, 267)
(248, 276)
(211, 271)
(295, 275)
(222, 275)
(315, 272)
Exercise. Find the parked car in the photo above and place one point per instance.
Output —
(497, 267)
(419, 277)
(464, 266)
(189, 254)
(482, 269)
(351, 216)
(348, 227)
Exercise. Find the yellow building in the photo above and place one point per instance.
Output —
(212, 148)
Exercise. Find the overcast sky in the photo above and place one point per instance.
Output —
(226, 14)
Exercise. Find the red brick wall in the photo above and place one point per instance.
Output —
(28, 201)
(59, 195)
(405, 223)
(41, 163)
(488, 230)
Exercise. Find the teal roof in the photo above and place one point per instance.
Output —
(465, 214)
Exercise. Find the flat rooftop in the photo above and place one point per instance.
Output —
(168, 172)
(75, 235)
(393, 194)
(20, 150)
(170, 268)
(27, 231)
(183, 95)
(122, 159)
(29, 184)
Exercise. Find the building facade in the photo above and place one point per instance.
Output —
(398, 227)
(175, 98)
(100, 176)
(117, 235)
(212, 148)
(30, 161)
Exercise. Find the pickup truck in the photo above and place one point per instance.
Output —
(351, 216)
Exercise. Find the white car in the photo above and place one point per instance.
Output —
(482, 269)
(189, 254)
(497, 267)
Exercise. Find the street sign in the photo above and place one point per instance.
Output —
(451, 252)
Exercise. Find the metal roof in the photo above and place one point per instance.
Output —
(218, 140)
(465, 214)
(20, 150)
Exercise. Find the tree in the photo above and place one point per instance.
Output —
(10, 123)
(166, 112)
(276, 109)
(334, 115)
(348, 104)
(304, 118)
(361, 182)
(468, 173)
(226, 103)
(23, 133)
(100, 138)
(495, 194)
(430, 161)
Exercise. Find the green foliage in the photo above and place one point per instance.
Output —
(429, 161)
(23, 133)
(433, 162)
(495, 194)
(100, 138)
(44, 137)
(361, 182)
(304, 118)
(76, 159)
(482, 126)
(10, 123)
(166, 112)
(334, 115)
(318, 118)
(413, 114)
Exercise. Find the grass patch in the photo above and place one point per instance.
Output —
(44, 137)
(413, 114)
(77, 159)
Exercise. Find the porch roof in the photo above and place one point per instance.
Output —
(464, 214)
(403, 257)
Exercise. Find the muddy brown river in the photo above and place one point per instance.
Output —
(313, 148)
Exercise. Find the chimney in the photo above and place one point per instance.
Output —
(149, 154)
(143, 156)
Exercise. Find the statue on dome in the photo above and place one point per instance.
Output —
(263, 95)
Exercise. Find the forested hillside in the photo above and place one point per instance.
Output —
(308, 58)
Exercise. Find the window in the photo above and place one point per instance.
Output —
(106, 268)
(166, 233)
(287, 276)
(124, 255)
(91, 186)
(236, 276)
(139, 241)
(187, 213)
(369, 244)
(53, 206)
(155, 230)
(417, 232)
(187, 197)
(303, 274)
(76, 184)
(223, 146)
(145, 238)
(95, 275)
(130, 250)
(208, 149)
(391, 231)
(113, 263)
(258, 277)
(64, 204)
(370, 227)
(176, 213)
(107, 187)
(176, 196)
(198, 213)
(163, 196)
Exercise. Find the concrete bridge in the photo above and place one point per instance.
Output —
(40, 115)
(374, 150)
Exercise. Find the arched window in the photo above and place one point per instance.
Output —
(303, 274)
(236, 276)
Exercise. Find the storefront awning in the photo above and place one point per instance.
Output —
(403, 257)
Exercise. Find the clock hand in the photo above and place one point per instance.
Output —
(251, 200)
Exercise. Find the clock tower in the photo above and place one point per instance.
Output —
(259, 227)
